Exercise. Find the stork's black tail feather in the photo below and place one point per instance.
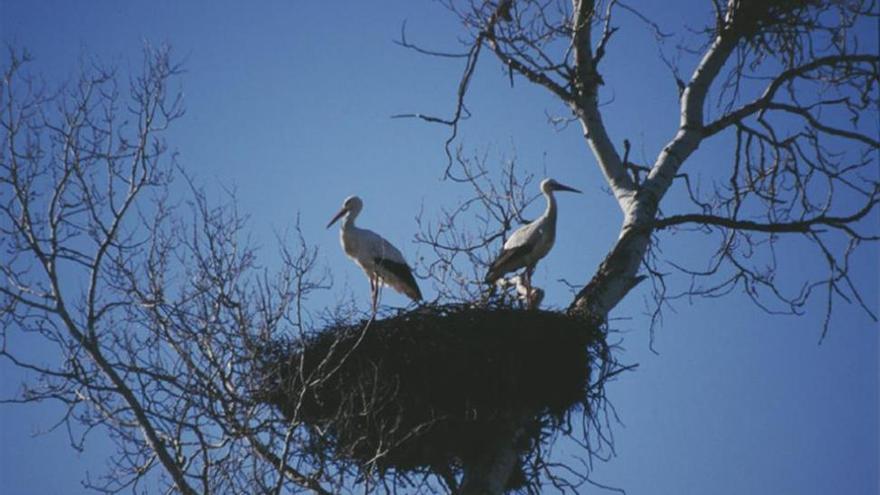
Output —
(507, 261)
(406, 282)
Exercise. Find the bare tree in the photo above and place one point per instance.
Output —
(775, 79)
(161, 320)
(208, 372)
(153, 308)
(776, 69)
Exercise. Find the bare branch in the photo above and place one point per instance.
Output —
(766, 98)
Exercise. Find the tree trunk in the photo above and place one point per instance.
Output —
(489, 473)
(616, 276)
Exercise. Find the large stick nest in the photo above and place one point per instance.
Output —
(431, 388)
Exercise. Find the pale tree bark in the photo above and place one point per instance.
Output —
(617, 274)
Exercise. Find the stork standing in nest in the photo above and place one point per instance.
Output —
(380, 260)
(530, 242)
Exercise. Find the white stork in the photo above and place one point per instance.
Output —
(380, 260)
(530, 242)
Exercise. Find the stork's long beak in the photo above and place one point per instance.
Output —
(337, 217)
(563, 187)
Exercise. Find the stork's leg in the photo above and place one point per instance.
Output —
(528, 283)
(374, 293)
(378, 291)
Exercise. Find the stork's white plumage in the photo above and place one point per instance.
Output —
(530, 242)
(531, 297)
(381, 261)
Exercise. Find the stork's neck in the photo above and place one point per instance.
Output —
(348, 221)
(550, 211)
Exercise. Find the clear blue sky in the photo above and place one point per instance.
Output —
(290, 103)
